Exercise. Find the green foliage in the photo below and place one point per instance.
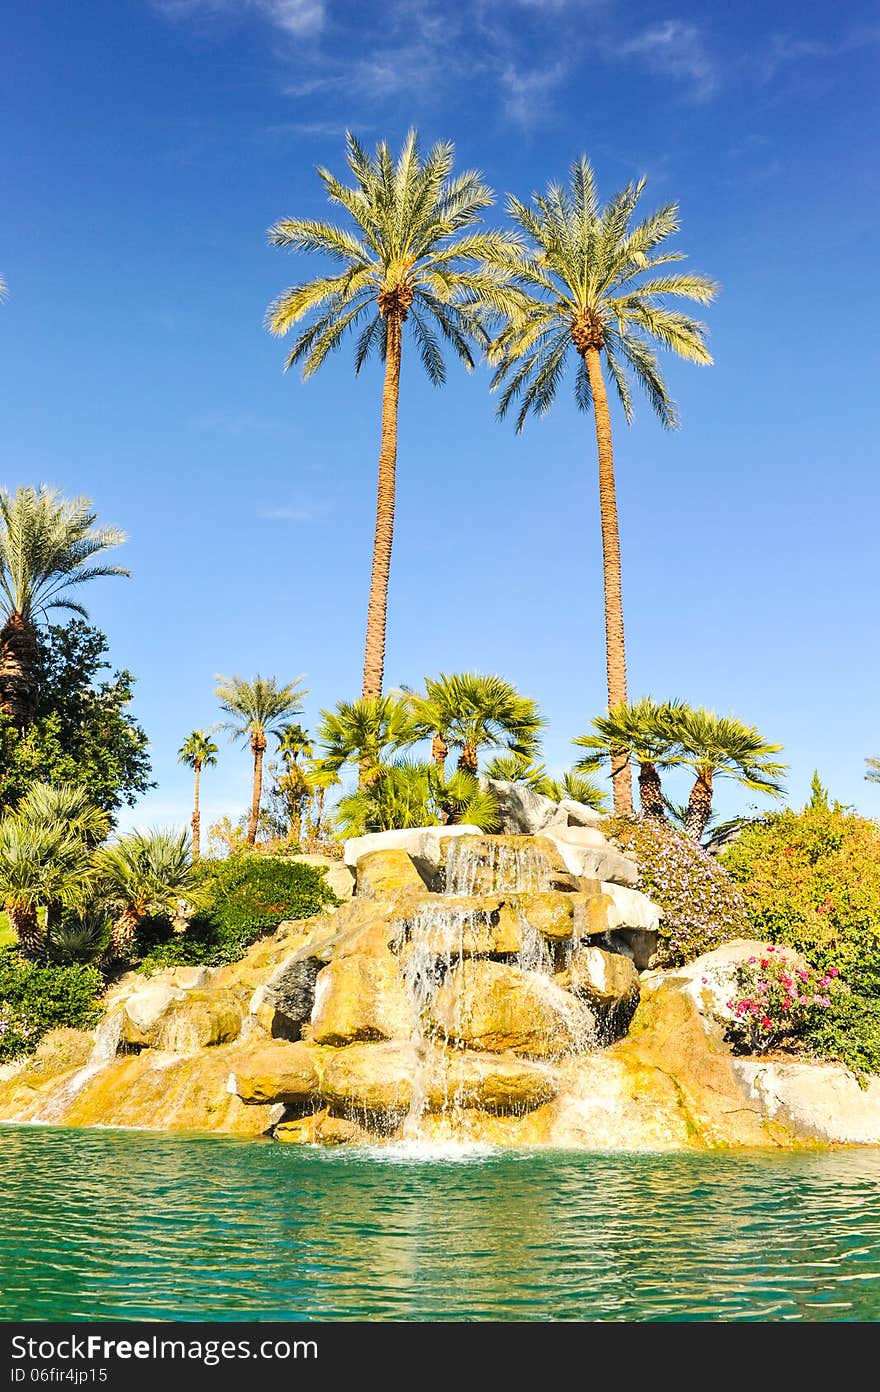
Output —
(363, 734)
(777, 1001)
(83, 733)
(472, 711)
(246, 896)
(35, 999)
(811, 881)
(701, 906)
(80, 937)
(48, 545)
(412, 794)
(258, 708)
(147, 871)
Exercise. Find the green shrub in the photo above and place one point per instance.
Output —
(811, 880)
(701, 906)
(248, 895)
(35, 999)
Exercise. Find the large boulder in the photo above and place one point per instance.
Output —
(387, 874)
(523, 811)
(322, 1128)
(816, 1102)
(361, 998)
(144, 1009)
(601, 978)
(277, 1072)
(575, 814)
(633, 923)
(490, 1006)
(370, 1079)
(479, 926)
(202, 1020)
(603, 862)
(422, 845)
(497, 1083)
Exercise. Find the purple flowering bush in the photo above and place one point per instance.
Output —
(701, 906)
(777, 1000)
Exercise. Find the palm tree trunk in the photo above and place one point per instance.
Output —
(258, 748)
(31, 937)
(196, 822)
(440, 752)
(18, 660)
(651, 791)
(699, 807)
(468, 760)
(374, 653)
(123, 930)
(615, 648)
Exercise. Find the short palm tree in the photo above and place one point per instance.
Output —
(364, 734)
(408, 793)
(721, 746)
(588, 288)
(66, 810)
(469, 711)
(407, 258)
(257, 709)
(48, 545)
(646, 731)
(576, 788)
(145, 873)
(40, 865)
(198, 752)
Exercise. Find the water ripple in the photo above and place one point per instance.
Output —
(134, 1225)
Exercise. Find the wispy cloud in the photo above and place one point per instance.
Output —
(298, 17)
(675, 48)
(527, 94)
(296, 512)
(785, 49)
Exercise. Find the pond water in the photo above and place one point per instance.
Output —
(129, 1225)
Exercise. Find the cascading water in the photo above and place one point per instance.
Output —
(479, 865)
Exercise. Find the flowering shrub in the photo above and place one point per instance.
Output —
(700, 904)
(776, 999)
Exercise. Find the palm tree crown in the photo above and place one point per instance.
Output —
(198, 751)
(588, 287)
(722, 746)
(647, 732)
(365, 733)
(469, 711)
(257, 709)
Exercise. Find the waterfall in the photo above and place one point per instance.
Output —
(481, 864)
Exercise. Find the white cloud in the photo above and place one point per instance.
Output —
(677, 49)
(526, 94)
(299, 17)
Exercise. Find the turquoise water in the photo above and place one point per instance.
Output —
(135, 1225)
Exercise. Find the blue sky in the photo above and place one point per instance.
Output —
(147, 147)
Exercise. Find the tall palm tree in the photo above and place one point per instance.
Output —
(646, 731)
(363, 733)
(469, 712)
(294, 784)
(721, 746)
(257, 709)
(145, 873)
(199, 752)
(47, 546)
(588, 287)
(406, 259)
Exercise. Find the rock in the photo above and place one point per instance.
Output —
(367, 1079)
(338, 877)
(589, 836)
(602, 978)
(489, 864)
(277, 1072)
(422, 845)
(816, 1102)
(636, 943)
(523, 811)
(489, 1006)
(469, 927)
(462, 1078)
(579, 814)
(560, 917)
(289, 994)
(188, 978)
(634, 924)
(709, 980)
(361, 998)
(64, 1048)
(199, 1021)
(604, 863)
(387, 874)
(144, 1009)
(322, 1128)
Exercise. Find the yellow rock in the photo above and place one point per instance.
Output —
(470, 927)
(321, 1128)
(386, 875)
(199, 1021)
(371, 1078)
(359, 998)
(487, 1005)
(277, 1072)
(602, 978)
(495, 1082)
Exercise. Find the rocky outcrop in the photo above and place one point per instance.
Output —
(422, 845)
(361, 998)
(600, 978)
(489, 1006)
(387, 874)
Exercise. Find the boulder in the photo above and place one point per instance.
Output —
(558, 916)
(595, 862)
(573, 814)
(589, 836)
(200, 1021)
(367, 1079)
(321, 1128)
(462, 1078)
(602, 978)
(709, 980)
(144, 1009)
(277, 1072)
(523, 811)
(422, 845)
(465, 927)
(816, 1102)
(360, 998)
(338, 877)
(387, 874)
(490, 1006)
(489, 864)
(634, 924)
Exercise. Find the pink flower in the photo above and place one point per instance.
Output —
(764, 962)
(801, 973)
(832, 971)
(766, 1022)
(752, 961)
(705, 980)
(785, 1005)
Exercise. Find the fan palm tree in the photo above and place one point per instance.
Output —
(48, 545)
(257, 709)
(199, 752)
(647, 733)
(407, 258)
(720, 746)
(408, 793)
(576, 788)
(294, 784)
(41, 864)
(469, 712)
(145, 873)
(589, 289)
(363, 733)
